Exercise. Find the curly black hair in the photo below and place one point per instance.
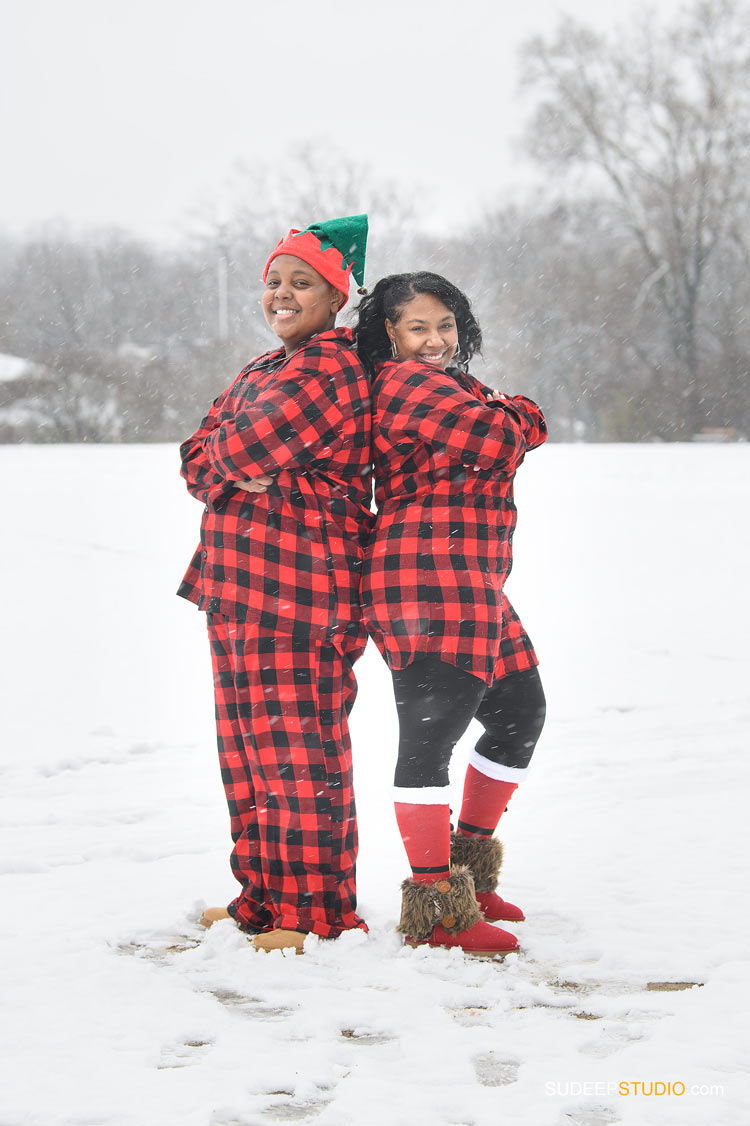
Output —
(388, 299)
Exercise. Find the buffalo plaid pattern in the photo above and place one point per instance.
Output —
(288, 559)
(281, 715)
(516, 650)
(445, 458)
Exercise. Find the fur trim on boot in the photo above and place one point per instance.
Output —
(450, 902)
(483, 856)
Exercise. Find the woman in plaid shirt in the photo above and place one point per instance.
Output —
(446, 449)
(282, 463)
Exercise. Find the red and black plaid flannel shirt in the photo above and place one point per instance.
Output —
(445, 457)
(290, 558)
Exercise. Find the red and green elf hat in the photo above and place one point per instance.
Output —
(336, 249)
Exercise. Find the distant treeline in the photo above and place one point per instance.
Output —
(621, 307)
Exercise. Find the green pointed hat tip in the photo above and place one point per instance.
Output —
(349, 236)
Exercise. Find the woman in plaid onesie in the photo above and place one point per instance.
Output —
(281, 464)
(446, 449)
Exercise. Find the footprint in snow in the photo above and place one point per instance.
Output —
(161, 949)
(251, 1006)
(493, 1071)
(183, 1055)
(590, 1116)
(469, 1016)
(364, 1036)
(294, 1111)
(613, 1037)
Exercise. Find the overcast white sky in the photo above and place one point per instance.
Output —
(127, 111)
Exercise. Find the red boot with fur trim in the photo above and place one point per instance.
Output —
(446, 914)
(483, 856)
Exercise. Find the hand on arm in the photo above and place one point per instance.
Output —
(529, 416)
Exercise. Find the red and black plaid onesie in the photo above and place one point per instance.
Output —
(445, 457)
(278, 574)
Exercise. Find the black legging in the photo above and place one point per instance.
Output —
(436, 703)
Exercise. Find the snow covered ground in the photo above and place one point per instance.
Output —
(626, 846)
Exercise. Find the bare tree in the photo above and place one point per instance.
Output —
(661, 117)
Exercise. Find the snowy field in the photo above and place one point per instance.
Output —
(626, 846)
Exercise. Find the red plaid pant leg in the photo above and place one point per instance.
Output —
(249, 909)
(292, 698)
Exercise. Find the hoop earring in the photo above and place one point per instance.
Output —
(394, 349)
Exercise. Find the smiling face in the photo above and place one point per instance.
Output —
(425, 331)
(298, 302)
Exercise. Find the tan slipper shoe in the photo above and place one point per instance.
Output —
(280, 940)
(212, 915)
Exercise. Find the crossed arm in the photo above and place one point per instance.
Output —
(423, 404)
(287, 427)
